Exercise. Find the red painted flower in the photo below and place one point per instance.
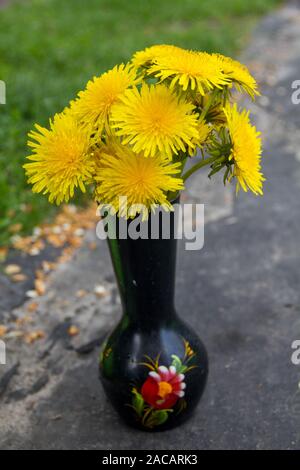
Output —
(163, 388)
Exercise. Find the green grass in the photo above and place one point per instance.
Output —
(50, 48)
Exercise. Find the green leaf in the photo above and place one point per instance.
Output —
(138, 403)
(157, 418)
(180, 368)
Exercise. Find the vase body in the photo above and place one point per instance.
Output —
(153, 366)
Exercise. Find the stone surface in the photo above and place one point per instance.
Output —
(240, 293)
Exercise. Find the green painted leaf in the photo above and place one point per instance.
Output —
(157, 418)
(138, 403)
(180, 368)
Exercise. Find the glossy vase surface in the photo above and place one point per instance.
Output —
(153, 366)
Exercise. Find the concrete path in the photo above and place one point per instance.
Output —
(241, 293)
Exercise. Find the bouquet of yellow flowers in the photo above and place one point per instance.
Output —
(132, 130)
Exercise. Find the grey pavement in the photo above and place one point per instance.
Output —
(240, 293)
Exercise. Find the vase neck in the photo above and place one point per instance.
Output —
(145, 271)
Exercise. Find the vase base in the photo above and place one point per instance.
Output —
(154, 379)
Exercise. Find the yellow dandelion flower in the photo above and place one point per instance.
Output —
(238, 74)
(155, 120)
(143, 181)
(60, 161)
(204, 130)
(148, 55)
(246, 150)
(189, 69)
(94, 103)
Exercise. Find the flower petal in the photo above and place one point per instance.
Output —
(155, 376)
(172, 370)
(179, 394)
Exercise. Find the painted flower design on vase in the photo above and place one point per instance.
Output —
(163, 388)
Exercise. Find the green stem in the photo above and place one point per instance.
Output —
(208, 105)
(197, 166)
(183, 163)
(172, 196)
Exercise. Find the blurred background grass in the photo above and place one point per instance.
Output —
(50, 48)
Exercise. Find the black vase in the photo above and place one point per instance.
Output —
(153, 366)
